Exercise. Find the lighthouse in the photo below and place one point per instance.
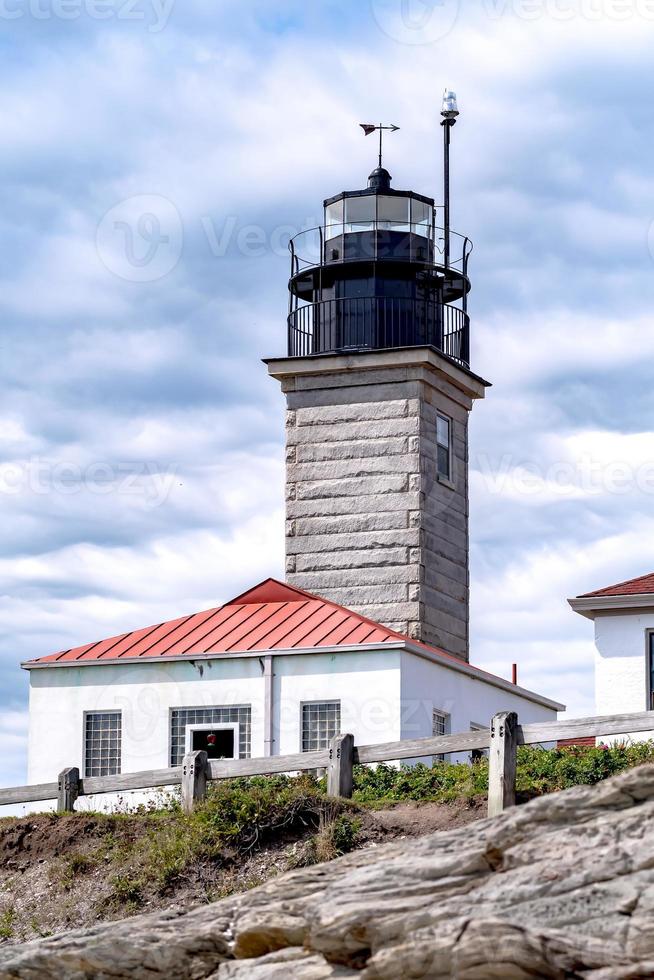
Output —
(379, 389)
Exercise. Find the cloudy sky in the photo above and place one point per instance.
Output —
(140, 438)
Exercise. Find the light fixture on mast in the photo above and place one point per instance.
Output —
(449, 112)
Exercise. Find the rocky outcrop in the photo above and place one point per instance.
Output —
(560, 888)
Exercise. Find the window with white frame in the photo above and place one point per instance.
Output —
(102, 743)
(444, 446)
(321, 720)
(440, 725)
(238, 717)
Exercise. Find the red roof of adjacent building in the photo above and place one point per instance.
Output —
(271, 616)
(643, 585)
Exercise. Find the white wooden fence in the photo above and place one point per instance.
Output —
(501, 740)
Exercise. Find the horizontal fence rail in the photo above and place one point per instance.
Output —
(501, 740)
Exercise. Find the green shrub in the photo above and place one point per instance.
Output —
(548, 770)
(539, 771)
(237, 816)
(441, 782)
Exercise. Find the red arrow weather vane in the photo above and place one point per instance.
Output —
(370, 128)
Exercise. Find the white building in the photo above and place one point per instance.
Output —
(272, 672)
(623, 615)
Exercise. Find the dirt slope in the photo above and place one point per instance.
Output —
(58, 873)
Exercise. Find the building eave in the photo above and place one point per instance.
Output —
(201, 656)
(590, 606)
(405, 646)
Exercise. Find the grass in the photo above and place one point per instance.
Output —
(73, 866)
(7, 922)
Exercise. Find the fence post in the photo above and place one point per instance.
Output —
(340, 778)
(67, 790)
(502, 762)
(194, 779)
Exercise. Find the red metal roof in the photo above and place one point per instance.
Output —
(271, 616)
(643, 585)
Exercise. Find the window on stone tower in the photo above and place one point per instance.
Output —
(444, 446)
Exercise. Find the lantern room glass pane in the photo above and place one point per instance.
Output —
(394, 209)
(420, 213)
(360, 213)
(394, 213)
(334, 219)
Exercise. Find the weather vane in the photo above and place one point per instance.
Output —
(370, 128)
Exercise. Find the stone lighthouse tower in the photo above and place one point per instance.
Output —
(379, 391)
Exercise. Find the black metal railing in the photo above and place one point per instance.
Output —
(375, 240)
(377, 322)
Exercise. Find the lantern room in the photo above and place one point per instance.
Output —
(379, 273)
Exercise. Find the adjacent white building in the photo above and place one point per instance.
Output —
(272, 672)
(623, 615)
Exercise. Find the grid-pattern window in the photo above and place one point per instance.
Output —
(321, 720)
(181, 718)
(102, 743)
(440, 725)
(443, 446)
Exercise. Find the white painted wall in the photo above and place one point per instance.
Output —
(367, 684)
(144, 693)
(385, 695)
(467, 700)
(621, 683)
